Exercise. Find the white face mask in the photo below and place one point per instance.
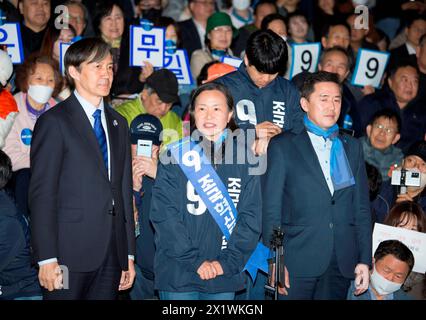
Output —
(382, 285)
(39, 93)
(240, 4)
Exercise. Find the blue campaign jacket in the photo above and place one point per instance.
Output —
(316, 223)
(17, 277)
(145, 248)
(278, 102)
(185, 240)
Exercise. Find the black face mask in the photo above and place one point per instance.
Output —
(151, 14)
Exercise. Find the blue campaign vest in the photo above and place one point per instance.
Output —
(215, 196)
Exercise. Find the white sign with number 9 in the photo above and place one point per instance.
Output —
(369, 68)
(305, 57)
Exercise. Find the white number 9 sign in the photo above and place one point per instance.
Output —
(370, 67)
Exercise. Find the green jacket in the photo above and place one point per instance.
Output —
(171, 122)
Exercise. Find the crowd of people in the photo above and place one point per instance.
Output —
(119, 182)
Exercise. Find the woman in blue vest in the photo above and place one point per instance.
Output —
(206, 205)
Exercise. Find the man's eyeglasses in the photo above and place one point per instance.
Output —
(388, 131)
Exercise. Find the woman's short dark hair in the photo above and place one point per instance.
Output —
(209, 86)
(272, 17)
(103, 9)
(28, 68)
(86, 50)
(5, 169)
(317, 77)
(399, 213)
(267, 52)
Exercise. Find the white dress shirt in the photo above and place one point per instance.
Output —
(323, 150)
(89, 110)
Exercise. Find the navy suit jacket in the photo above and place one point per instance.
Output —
(190, 39)
(296, 197)
(71, 196)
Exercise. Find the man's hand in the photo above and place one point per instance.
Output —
(50, 276)
(208, 271)
(281, 290)
(403, 197)
(146, 71)
(137, 173)
(218, 268)
(362, 278)
(149, 166)
(127, 277)
(267, 129)
(260, 146)
(366, 90)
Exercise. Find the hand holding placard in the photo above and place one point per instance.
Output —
(370, 67)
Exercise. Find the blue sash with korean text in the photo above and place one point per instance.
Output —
(215, 196)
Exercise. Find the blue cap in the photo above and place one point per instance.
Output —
(146, 127)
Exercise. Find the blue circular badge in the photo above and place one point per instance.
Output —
(26, 135)
(146, 24)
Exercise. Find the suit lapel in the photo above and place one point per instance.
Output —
(82, 125)
(304, 146)
(112, 125)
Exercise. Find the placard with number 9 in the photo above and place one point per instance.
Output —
(304, 57)
(370, 67)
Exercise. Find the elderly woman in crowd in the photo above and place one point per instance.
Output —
(38, 80)
(219, 34)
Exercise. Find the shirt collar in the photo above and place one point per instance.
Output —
(89, 108)
(410, 48)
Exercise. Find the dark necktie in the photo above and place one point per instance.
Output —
(100, 136)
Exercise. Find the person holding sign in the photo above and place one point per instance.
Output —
(316, 190)
(393, 262)
(264, 100)
(206, 207)
(409, 215)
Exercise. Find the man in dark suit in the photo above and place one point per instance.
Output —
(415, 29)
(193, 31)
(316, 190)
(81, 185)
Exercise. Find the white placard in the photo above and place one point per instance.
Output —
(63, 47)
(234, 62)
(369, 68)
(305, 57)
(146, 46)
(10, 35)
(178, 63)
(415, 241)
